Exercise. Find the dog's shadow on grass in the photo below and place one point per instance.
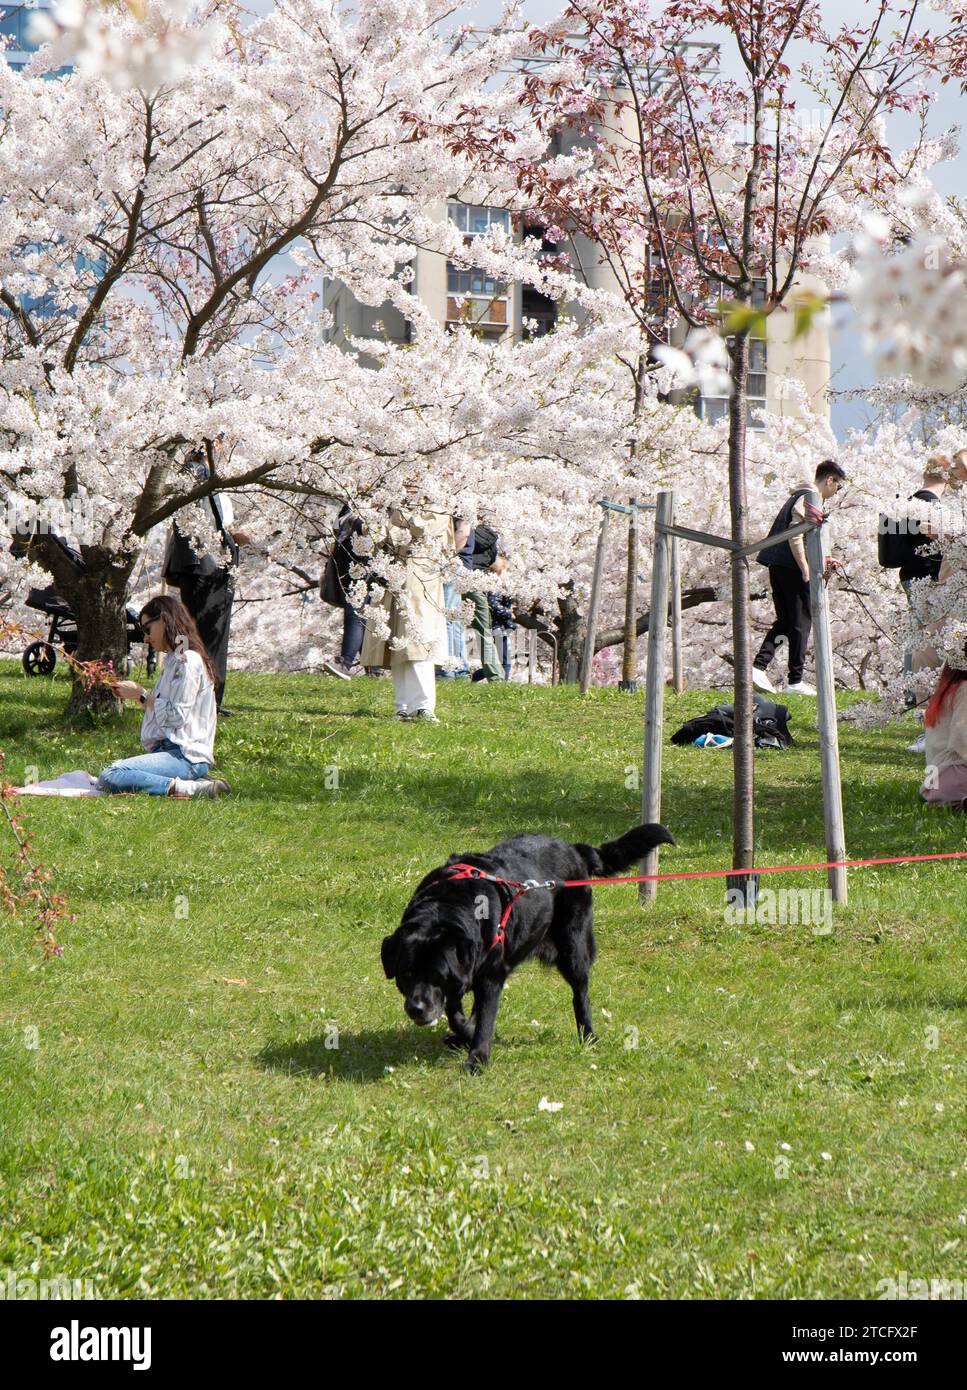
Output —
(362, 1056)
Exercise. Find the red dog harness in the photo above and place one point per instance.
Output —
(471, 871)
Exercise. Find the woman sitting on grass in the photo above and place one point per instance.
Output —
(178, 729)
(945, 720)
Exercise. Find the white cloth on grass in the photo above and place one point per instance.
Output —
(67, 784)
(414, 684)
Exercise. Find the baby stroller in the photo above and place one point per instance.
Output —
(40, 658)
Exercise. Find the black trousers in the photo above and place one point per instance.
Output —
(209, 601)
(790, 596)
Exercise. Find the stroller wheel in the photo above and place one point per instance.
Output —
(39, 659)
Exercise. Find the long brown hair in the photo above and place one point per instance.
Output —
(178, 624)
(950, 676)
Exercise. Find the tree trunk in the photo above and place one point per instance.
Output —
(96, 593)
(629, 662)
(570, 639)
(743, 821)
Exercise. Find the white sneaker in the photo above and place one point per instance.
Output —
(919, 746)
(204, 786)
(336, 668)
(800, 688)
(761, 681)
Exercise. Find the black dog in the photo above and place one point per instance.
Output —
(446, 943)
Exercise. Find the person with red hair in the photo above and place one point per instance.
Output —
(945, 721)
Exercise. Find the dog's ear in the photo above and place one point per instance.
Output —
(389, 954)
(460, 956)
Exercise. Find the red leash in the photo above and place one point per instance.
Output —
(471, 871)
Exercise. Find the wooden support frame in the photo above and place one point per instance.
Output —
(667, 535)
(587, 660)
(628, 683)
(826, 709)
(655, 682)
(587, 655)
(678, 655)
(709, 538)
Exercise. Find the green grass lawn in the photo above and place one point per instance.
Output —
(226, 1099)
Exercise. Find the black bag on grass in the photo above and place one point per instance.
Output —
(770, 724)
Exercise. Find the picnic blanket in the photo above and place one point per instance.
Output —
(67, 784)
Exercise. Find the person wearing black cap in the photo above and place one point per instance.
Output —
(789, 581)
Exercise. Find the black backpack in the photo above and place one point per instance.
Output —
(485, 542)
(898, 541)
(770, 724)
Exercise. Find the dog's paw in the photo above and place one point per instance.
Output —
(475, 1063)
(456, 1043)
(589, 1037)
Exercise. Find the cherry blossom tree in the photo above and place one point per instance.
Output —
(161, 249)
(694, 184)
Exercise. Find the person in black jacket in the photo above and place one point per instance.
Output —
(206, 583)
(789, 581)
(348, 526)
(484, 556)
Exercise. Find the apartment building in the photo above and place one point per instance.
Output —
(455, 294)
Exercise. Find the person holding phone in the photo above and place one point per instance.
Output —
(178, 729)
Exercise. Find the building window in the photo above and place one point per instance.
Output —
(757, 371)
(472, 282)
(16, 47)
(711, 409)
(473, 296)
(714, 408)
(474, 221)
(14, 26)
(756, 386)
(477, 309)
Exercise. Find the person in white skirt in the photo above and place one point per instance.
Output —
(178, 729)
(416, 617)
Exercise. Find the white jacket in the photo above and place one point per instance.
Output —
(184, 708)
(946, 742)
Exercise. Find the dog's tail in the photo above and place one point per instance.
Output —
(618, 855)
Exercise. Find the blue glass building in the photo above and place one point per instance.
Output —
(15, 28)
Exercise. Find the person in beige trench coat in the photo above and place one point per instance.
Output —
(416, 538)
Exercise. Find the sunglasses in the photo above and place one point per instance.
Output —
(146, 623)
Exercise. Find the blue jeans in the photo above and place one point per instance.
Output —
(152, 772)
(456, 648)
(353, 631)
(503, 641)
